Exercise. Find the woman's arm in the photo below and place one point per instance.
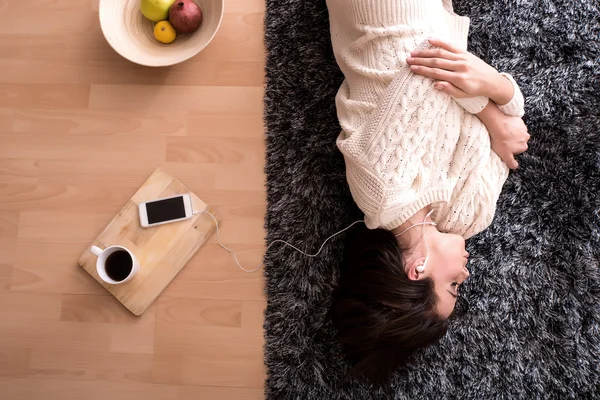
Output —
(458, 72)
(500, 90)
(466, 77)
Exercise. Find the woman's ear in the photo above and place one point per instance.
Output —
(412, 268)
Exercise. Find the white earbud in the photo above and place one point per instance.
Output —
(421, 268)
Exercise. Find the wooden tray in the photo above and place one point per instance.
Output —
(162, 250)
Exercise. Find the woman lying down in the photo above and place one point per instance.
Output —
(429, 133)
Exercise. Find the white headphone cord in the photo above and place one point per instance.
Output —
(419, 224)
(272, 243)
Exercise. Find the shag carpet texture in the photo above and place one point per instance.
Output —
(529, 316)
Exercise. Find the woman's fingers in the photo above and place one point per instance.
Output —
(434, 73)
(510, 161)
(445, 45)
(441, 63)
(436, 53)
(509, 157)
(522, 148)
(450, 89)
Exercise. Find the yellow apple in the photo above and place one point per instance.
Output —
(156, 10)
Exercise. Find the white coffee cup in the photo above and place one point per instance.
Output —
(101, 264)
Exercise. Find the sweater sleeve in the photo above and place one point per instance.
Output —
(472, 204)
(477, 202)
(515, 107)
(473, 105)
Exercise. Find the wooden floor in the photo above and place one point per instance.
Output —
(80, 130)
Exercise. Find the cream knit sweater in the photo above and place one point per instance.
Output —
(407, 145)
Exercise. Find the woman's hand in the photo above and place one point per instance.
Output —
(460, 73)
(508, 134)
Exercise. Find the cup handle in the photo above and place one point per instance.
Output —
(96, 250)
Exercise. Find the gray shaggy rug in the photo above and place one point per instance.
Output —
(529, 321)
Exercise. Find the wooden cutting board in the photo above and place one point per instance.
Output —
(162, 250)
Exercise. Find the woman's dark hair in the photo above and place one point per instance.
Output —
(381, 315)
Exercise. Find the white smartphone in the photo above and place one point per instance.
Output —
(165, 210)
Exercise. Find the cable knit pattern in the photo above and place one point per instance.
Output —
(407, 145)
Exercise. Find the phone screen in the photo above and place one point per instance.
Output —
(165, 210)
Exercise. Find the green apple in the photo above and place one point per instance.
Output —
(156, 10)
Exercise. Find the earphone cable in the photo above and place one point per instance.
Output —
(272, 243)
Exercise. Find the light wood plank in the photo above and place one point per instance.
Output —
(107, 198)
(122, 173)
(80, 147)
(64, 389)
(200, 312)
(232, 287)
(240, 36)
(6, 272)
(29, 306)
(221, 126)
(245, 6)
(97, 309)
(19, 172)
(85, 122)
(111, 71)
(61, 227)
(8, 243)
(39, 47)
(215, 264)
(43, 95)
(182, 367)
(8, 224)
(7, 250)
(134, 339)
(235, 177)
(220, 151)
(81, 129)
(91, 365)
(47, 267)
(177, 351)
(84, 174)
(222, 100)
(48, 197)
(253, 314)
(41, 16)
(14, 361)
(55, 335)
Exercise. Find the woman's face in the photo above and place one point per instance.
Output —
(447, 267)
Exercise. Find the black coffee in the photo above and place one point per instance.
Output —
(118, 265)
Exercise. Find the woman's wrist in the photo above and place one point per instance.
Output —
(487, 112)
(500, 90)
(489, 115)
